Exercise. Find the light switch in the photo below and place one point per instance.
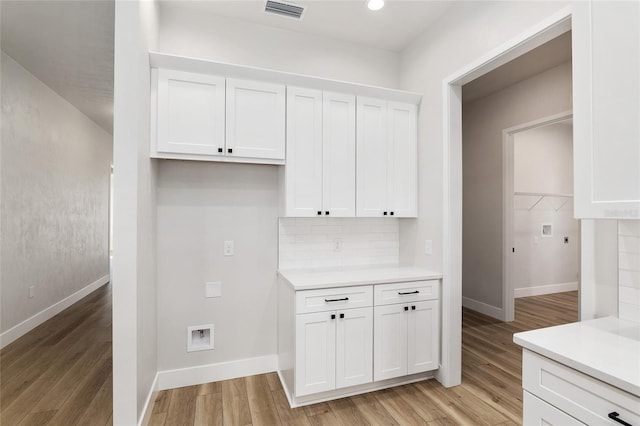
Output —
(228, 248)
(213, 289)
(428, 247)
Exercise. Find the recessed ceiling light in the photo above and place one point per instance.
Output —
(375, 4)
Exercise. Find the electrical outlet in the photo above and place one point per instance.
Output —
(337, 245)
(32, 291)
(228, 248)
(428, 247)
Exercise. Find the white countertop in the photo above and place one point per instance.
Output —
(605, 348)
(307, 279)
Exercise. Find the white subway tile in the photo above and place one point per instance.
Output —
(629, 227)
(629, 244)
(629, 261)
(629, 278)
(629, 312)
(629, 295)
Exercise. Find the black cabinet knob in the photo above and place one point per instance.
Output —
(413, 308)
(341, 315)
(230, 150)
(384, 213)
(327, 212)
(219, 149)
(406, 308)
(391, 213)
(333, 316)
(319, 213)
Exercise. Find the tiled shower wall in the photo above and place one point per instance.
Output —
(336, 242)
(629, 270)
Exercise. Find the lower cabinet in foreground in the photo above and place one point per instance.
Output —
(336, 342)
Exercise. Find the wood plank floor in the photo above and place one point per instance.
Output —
(490, 393)
(60, 374)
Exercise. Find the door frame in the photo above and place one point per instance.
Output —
(450, 373)
(508, 312)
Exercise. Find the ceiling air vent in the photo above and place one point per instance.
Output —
(284, 9)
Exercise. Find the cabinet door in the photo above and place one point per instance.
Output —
(303, 172)
(606, 87)
(354, 347)
(402, 160)
(371, 154)
(390, 342)
(339, 154)
(423, 337)
(255, 119)
(315, 368)
(190, 113)
(538, 412)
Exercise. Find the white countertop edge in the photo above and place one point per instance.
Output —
(559, 344)
(310, 279)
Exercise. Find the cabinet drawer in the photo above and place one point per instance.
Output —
(538, 412)
(587, 399)
(413, 291)
(328, 299)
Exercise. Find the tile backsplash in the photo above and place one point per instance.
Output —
(629, 270)
(335, 242)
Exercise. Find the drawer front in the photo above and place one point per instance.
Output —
(579, 395)
(412, 291)
(329, 299)
(537, 412)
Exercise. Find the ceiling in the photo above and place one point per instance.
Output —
(547, 56)
(391, 28)
(68, 45)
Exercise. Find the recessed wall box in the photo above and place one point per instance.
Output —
(200, 338)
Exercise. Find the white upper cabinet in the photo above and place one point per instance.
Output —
(255, 119)
(190, 113)
(606, 97)
(386, 158)
(320, 171)
(339, 154)
(303, 180)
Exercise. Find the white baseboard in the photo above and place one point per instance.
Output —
(170, 379)
(544, 289)
(29, 324)
(483, 308)
(145, 418)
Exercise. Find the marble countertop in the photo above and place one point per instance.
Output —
(307, 279)
(605, 348)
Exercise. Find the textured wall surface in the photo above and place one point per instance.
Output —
(629, 270)
(55, 197)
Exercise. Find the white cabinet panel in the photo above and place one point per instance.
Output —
(390, 342)
(354, 347)
(423, 324)
(255, 119)
(339, 154)
(303, 171)
(402, 160)
(190, 115)
(315, 367)
(371, 166)
(606, 92)
(328, 299)
(537, 412)
(386, 158)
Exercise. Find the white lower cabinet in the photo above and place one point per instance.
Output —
(354, 337)
(406, 339)
(571, 397)
(539, 413)
(333, 350)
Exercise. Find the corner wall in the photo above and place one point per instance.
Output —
(55, 202)
(134, 220)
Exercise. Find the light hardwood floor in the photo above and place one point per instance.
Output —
(490, 393)
(60, 374)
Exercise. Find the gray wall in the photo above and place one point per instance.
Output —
(484, 120)
(55, 197)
